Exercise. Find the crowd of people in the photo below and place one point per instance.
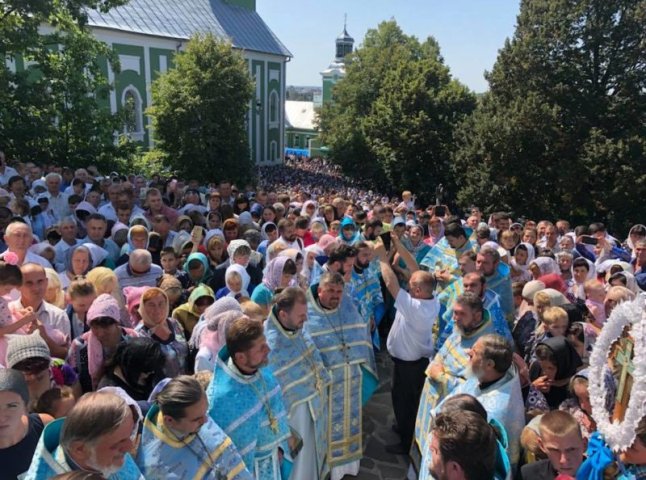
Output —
(164, 329)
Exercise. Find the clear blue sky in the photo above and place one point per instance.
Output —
(470, 32)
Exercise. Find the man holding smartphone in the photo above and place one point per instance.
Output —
(410, 341)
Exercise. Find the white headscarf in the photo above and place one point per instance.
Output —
(240, 270)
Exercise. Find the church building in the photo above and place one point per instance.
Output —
(301, 136)
(147, 34)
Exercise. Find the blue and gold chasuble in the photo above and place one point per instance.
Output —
(500, 282)
(342, 337)
(297, 365)
(250, 410)
(443, 257)
(212, 455)
(491, 303)
(455, 358)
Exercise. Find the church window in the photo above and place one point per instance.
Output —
(273, 109)
(132, 107)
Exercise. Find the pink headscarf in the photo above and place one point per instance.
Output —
(133, 299)
(274, 273)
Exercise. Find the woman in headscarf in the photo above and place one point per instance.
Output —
(299, 260)
(348, 232)
(556, 362)
(317, 228)
(520, 262)
(582, 271)
(89, 351)
(156, 324)
(435, 230)
(189, 313)
(213, 337)
(222, 305)
(310, 253)
(279, 274)
(309, 209)
(79, 262)
(414, 243)
(543, 266)
(198, 268)
(133, 300)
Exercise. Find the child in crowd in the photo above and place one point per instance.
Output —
(169, 262)
(237, 282)
(56, 402)
(81, 294)
(555, 321)
(595, 294)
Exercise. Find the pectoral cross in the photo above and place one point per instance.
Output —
(623, 360)
(273, 423)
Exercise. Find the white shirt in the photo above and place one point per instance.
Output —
(411, 336)
(58, 205)
(50, 316)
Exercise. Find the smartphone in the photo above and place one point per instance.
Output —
(588, 240)
(440, 210)
(385, 237)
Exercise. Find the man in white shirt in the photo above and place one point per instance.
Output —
(109, 210)
(410, 341)
(288, 237)
(6, 172)
(52, 322)
(57, 200)
(19, 237)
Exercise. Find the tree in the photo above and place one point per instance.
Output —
(394, 112)
(199, 110)
(56, 110)
(562, 131)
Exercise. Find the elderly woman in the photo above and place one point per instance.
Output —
(156, 324)
(89, 351)
(20, 431)
(79, 262)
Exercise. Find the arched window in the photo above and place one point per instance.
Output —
(133, 119)
(274, 109)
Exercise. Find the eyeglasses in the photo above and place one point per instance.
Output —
(204, 302)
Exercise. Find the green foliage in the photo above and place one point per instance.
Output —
(394, 113)
(199, 110)
(562, 131)
(56, 110)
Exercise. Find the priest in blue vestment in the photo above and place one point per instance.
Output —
(297, 365)
(449, 367)
(443, 258)
(343, 338)
(498, 276)
(180, 441)
(245, 400)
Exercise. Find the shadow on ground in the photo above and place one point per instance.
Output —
(378, 418)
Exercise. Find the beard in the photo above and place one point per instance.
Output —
(105, 470)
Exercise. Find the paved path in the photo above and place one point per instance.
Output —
(378, 418)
